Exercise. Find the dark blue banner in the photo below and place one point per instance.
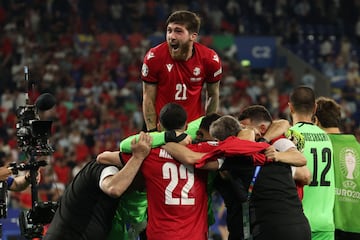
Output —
(260, 51)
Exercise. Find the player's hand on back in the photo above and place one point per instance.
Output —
(271, 153)
(142, 147)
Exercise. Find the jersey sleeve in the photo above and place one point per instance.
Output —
(158, 140)
(9, 181)
(233, 146)
(159, 137)
(108, 171)
(283, 144)
(193, 126)
(150, 67)
(214, 67)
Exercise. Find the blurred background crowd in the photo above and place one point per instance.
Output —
(88, 54)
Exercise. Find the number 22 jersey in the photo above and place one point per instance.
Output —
(177, 197)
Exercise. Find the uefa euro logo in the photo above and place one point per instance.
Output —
(349, 166)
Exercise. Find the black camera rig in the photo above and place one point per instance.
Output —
(33, 139)
(3, 189)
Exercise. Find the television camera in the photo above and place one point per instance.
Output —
(33, 140)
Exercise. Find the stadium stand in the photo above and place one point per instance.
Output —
(88, 54)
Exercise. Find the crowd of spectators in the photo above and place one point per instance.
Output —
(88, 54)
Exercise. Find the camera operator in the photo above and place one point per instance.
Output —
(17, 183)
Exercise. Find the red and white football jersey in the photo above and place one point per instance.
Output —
(181, 81)
(177, 196)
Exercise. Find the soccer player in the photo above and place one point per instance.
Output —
(274, 193)
(318, 201)
(197, 128)
(176, 193)
(176, 71)
(346, 164)
(259, 118)
(88, 204)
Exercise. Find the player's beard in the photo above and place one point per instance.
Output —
(181, 54)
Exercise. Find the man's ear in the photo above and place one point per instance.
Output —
(193, 36)
(316, 121)
(291, 107)
(315, 108)
(263, 129)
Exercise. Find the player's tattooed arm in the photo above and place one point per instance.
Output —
(149, 96)
(212, 100)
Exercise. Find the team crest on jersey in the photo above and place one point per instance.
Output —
(216, 58)
(196, 71)
(144, 70)
(150, 55)
(169, 67)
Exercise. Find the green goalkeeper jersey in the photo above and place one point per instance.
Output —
(159, 137)
(319, 197)
(347, 182)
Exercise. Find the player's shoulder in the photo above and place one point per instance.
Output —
(206, 53)
(204, 50)
(157, 53)
(282, 144)
(303, 125)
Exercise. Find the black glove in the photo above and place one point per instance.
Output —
(170, 136)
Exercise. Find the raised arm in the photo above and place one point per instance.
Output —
(302, 175)
(182, 153)
(20, 183)
(247, 134)
(159, 138)
(292, 156)
(187, 156)
(276, 129)
(116, 184)
(111, 158)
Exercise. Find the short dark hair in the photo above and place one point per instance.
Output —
(302, 99)
(207, 120)
(190, 20)
(328, 112)
(172, 116)
(202, 134)
(224, 127)
(256, 114)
